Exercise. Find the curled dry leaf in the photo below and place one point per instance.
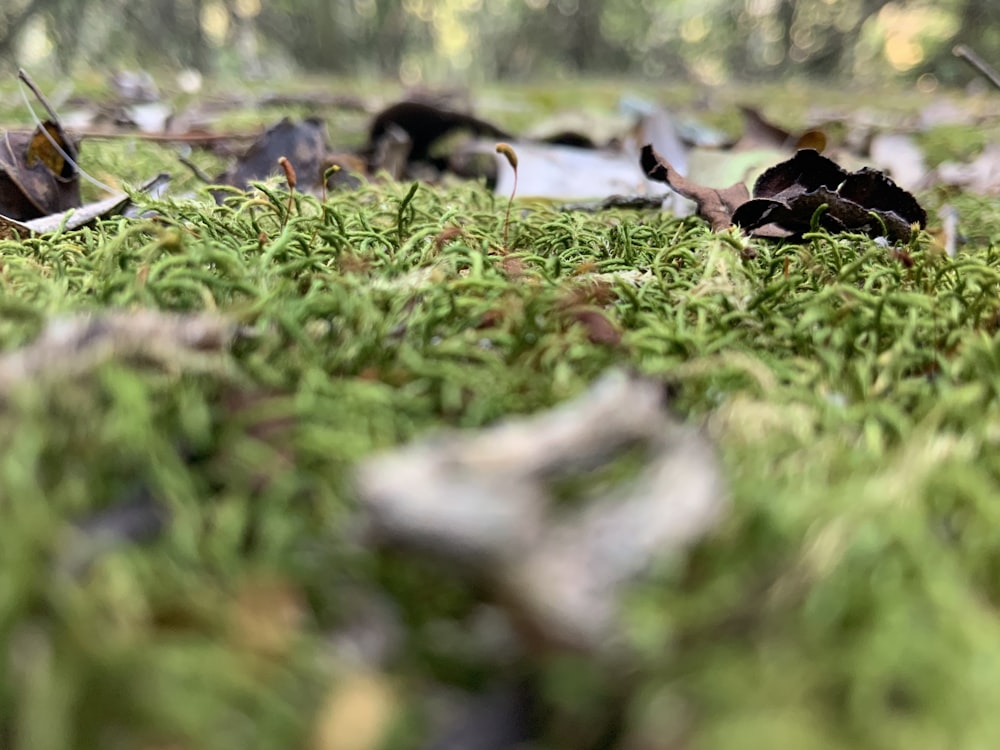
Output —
(790, 196)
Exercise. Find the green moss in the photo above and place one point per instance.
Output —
(846, 602)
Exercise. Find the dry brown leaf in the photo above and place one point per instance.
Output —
(41, 148)
(714, 205)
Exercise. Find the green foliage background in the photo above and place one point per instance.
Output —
(431, 41)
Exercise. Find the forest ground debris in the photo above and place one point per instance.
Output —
(853, 398)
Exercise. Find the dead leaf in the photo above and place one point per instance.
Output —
(899, 156)
(302, 143)
(759, 132)
(565, 172)
(789, 196)
(658, 129)
(424, 122)
(43, 148)
(35, 179)
(75, 218)
(814, 139)
(577, 127)
(714, 205)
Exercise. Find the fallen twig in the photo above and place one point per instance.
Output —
(966, 53)
(71, 346)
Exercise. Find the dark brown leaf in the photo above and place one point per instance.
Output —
(303, 144)
(425, 123)
(791, 195)
(804, 172)
(875, 190)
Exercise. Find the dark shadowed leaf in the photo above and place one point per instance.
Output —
(789, 196)
(35, 178)
(874, 190)
(804, 172)
(759, 132)
(424, 123)
(303, 144)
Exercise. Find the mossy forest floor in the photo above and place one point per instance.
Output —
(849, 599)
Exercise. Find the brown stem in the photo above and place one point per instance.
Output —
(966, 53)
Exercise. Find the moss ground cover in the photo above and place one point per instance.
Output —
(853, 391)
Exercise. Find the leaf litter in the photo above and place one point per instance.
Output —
(799, 194)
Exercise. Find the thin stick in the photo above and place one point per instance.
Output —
(197, 171)
(26, 79)
(23, 75)
(983, 67)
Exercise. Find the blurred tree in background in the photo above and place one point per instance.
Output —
(435, 41)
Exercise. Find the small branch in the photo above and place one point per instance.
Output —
(195, 138)
(71, 346)
(23, 75)
(984, 68)
(197, 171)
